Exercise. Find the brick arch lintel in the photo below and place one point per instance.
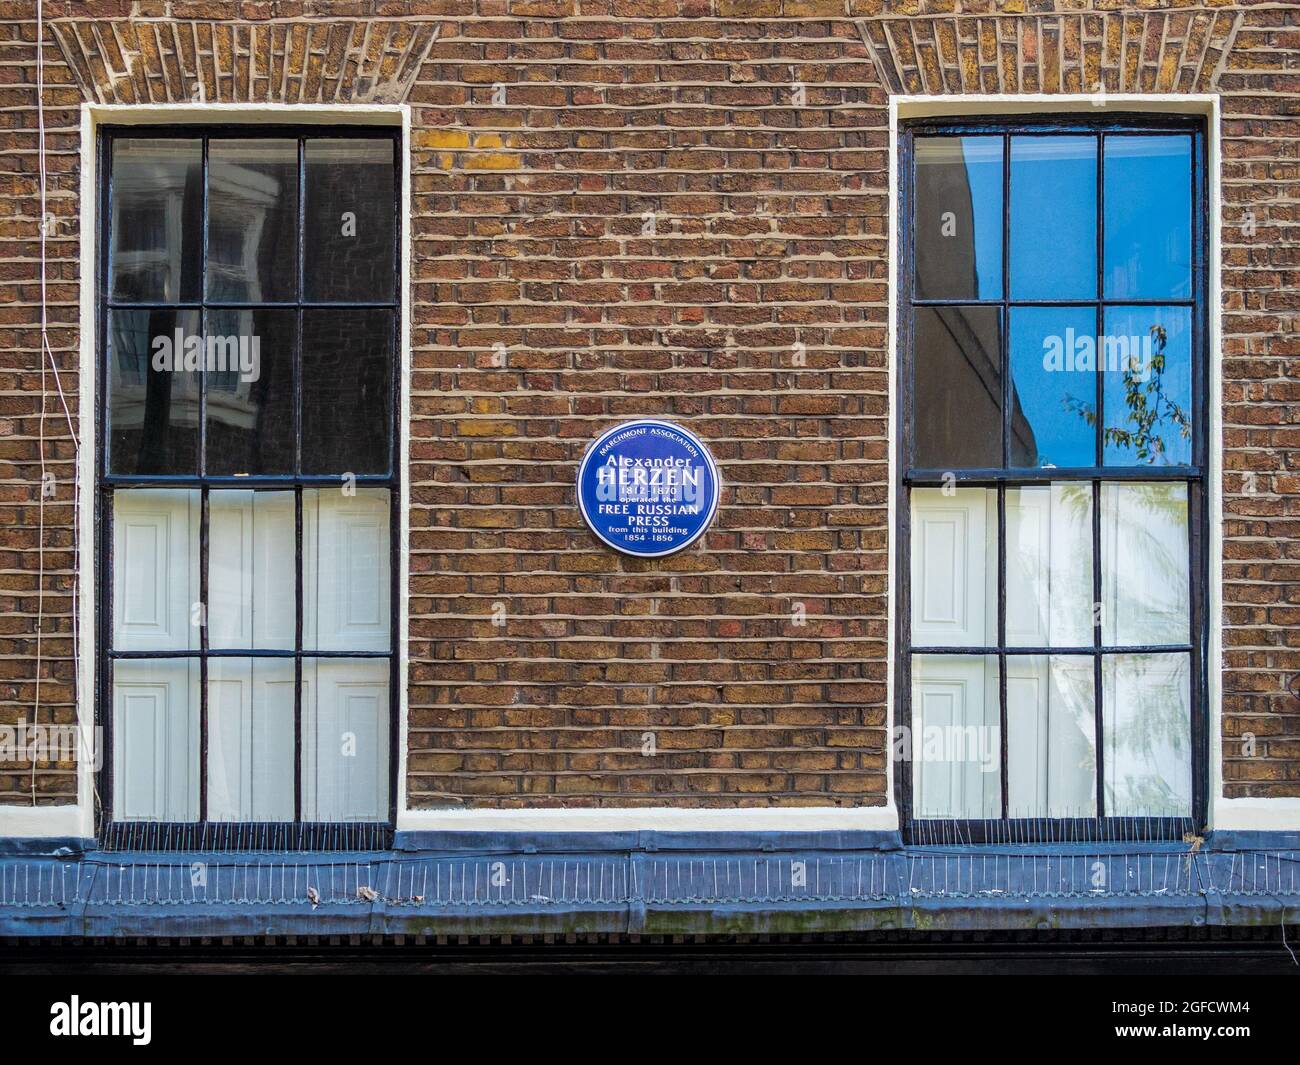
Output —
(1160, 51)
(201, 61)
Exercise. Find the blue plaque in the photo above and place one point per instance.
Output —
(648, 488)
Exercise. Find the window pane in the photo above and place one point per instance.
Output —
(345, 739)
(1148, 234)
(156, 740)
(153, 401)
(250, 739)
(157, 223)
(252, 220)
(1146, 730)
(958, 227)
(1147, 357)
(1053, 246)
(156, 569)
(251, 569)
(250, 391)
(346, 560)
(346, 390)
(1054, 386)
(1051, 736)
(957, 388)
(1144, 565)
(954, 567)
(350, 237)
(1049, 565)
(956, 745)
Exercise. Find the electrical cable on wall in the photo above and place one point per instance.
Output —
(43, 227)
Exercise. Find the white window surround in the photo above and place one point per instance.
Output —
(1223, 813)
(78, 821)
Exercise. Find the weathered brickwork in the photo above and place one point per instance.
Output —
(307, 61)
(37, 690)
(1075, 50)
(656, 207)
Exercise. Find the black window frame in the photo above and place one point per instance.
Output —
(1102, 827)
(204, 833)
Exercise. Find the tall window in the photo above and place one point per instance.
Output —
(1053, 477)
(246, 466)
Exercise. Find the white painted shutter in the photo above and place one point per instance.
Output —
(954, 702)
(1051, 755)
(1029, 557)
(345, 729)
(1147, 702)
(345, 703)
(1072, 744)
(346, 583)
(954, 572)
(155, 749)
(250, 701)
(1144, 571)
(1028, 714)
(155, 569)
(250, 739)
(1049, 566)
(251, 569)
(155, 702)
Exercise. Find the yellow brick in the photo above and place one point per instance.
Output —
(441, 138)
(492, 161)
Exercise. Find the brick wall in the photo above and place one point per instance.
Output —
(27, 389)
(674, 209)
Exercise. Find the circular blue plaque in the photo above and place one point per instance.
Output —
(648, 488)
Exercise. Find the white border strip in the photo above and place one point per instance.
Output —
(1257, 815)
(654, 818)
(33, 822)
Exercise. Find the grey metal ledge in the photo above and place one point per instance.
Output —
(763, 889)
